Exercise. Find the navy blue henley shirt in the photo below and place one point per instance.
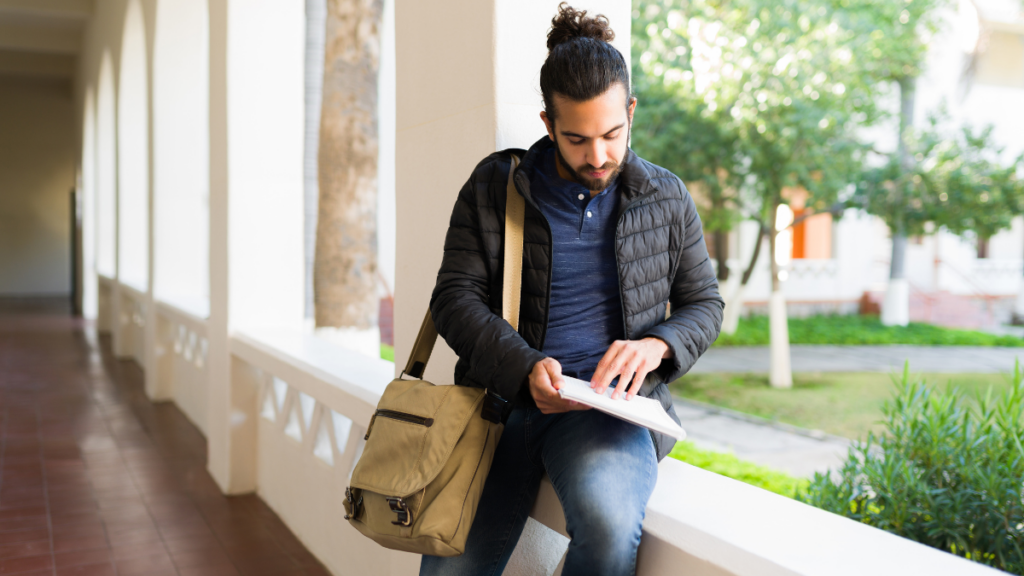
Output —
(585, 314)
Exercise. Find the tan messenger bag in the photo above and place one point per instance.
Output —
(429, 448)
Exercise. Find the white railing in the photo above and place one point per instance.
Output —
(131, 324)
(316, 400)
(313, 401)
(181, 352)
(105, 303)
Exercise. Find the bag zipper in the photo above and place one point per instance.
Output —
(400, 416)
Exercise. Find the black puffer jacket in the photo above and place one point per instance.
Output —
(662, 259)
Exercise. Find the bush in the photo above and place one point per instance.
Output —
(835, 329)
(947, 473)
(730, 466)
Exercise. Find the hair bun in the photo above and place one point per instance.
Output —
(570, 24)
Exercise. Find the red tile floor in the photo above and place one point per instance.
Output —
(95, 480)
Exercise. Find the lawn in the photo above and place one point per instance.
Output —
(845, 404)
(853, 329)
(730, 466)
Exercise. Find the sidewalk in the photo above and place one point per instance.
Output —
(827, 358)
(789, 449)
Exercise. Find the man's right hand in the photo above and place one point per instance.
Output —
(545, 381)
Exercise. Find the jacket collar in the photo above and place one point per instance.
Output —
(634, 179)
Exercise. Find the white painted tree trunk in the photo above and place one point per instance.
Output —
(733, 293)
(1018, 308)
(780, 372)
(896, 306)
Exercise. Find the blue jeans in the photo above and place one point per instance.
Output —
(603, 470)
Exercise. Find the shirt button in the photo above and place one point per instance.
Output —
(581, 196)
(589, 214)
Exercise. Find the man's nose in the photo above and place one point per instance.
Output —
(598, 153)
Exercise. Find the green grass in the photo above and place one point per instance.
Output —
(387, 352)
(731, 466)
(841, 403)
(853, 329)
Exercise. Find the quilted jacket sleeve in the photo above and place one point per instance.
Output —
(696, 306)
(497, 355)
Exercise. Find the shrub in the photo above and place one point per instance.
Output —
(947, 473)
(732, 467)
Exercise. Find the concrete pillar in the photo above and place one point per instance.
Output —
(468, 74)
(153, 351)
(256, 202)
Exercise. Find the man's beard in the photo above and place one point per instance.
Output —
(590, 183)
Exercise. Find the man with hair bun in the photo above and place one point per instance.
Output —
(612, 243)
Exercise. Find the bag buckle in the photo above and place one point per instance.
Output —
(495, 408)
(355, 504)
(399, 507)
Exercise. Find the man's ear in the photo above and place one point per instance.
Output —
(631, 108)
(549, 124)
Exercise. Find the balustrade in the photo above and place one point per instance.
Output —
(300, 408)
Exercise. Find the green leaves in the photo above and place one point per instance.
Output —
(955, 181)
(945, 474)
(747, 97)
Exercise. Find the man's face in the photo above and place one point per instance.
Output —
(591, 137)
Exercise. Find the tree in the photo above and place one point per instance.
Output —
(977, 193)
(345, 265)
(780, 80)
(894, 37)
(955, 181)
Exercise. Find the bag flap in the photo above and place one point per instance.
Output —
(412, 434)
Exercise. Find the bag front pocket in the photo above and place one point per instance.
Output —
(401, 417)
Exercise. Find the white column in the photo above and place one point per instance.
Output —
(468, 74)
(256, 203)
(152, 351)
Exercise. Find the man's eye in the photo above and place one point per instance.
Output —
(575, 142)
(612, 136)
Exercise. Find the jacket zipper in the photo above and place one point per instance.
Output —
(400, 416)
(618, 269)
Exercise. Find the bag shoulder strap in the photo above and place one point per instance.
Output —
(511, 290)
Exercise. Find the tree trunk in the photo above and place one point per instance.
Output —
(780, 374)
(721, 241)
(896, 308)
(345, 268)
(736, 291)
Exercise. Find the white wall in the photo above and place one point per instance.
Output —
(468, 84)
(37, 173)
(133, 153)
(181, 134)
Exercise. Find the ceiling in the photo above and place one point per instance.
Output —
(41, 38)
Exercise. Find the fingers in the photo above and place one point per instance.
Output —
(555, 375)
(631, 362)
(609, 367)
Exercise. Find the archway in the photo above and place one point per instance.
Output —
(133, 153)
(181, 171)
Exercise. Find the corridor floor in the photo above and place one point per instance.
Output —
(95, 480)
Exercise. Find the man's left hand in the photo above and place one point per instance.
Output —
(631, 361)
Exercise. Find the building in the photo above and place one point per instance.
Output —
(975, 68)
(180, 124)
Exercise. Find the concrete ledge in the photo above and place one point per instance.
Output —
(698, 522)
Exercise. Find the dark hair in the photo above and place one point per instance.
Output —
(581, 64)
